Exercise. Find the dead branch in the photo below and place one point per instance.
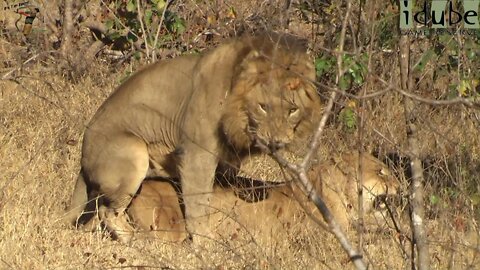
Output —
(416, 188)
(361, 128)
(299, 171)
(145, 31)
(67, 28)
(435, 102)
(8, 75)
(157, 34)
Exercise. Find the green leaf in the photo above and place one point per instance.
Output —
(109, 24)
(434, 199)
(131, 37)
(452, 91)
(148, 17)
(137, 55)
(179, 25)
(322, 66)
(475, 199)
(356, 72)
(348, 118)
(345, 82)
(426, 57)
(471, 54)
(114, 35)
(131, 7)
(166, 38)
(464, 88)
(161, 4)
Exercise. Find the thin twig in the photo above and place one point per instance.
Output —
(119, 20)
(154, 57)
(142, 26)
(366, 96)
(6, 76)
(435, 102)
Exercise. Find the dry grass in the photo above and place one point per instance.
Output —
(40, 141)
(42, 117)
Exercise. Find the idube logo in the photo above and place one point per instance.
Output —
(440, 14)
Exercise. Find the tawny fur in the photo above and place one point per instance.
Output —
(181, 117)
(334, 180)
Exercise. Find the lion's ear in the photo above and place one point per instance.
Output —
(293, 84)
(253, 54)
(308, 94)
(250, 63)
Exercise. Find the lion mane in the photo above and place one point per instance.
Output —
(180, 118)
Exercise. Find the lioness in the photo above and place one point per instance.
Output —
(181, 117)
(335, 180)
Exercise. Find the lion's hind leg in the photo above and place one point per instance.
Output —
(123, 168)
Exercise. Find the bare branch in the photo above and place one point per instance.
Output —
(458, 100)
(365, 96)
(154, 56)
(117, 19)
(416, 188)
(300, 171)
(144, 31)
(7, 76)
(67, 27)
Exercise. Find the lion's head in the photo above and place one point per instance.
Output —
(273, 98)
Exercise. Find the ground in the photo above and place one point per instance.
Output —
(44, 110)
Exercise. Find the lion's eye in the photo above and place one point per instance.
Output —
(292, 111)
(263, 107)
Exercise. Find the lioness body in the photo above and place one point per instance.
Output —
(158, 210)
(231, 216)
(181, 117)
(285, 205)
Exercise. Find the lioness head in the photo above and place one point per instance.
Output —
(337, 180)
(273, 98)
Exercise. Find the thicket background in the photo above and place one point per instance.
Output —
(55, 76)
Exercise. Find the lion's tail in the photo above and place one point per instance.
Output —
(78, 202)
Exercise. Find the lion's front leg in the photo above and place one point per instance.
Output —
(197, 171)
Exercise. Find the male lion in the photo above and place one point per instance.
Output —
(335, 180)
(181, 117)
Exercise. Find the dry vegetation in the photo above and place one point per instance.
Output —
(45, 102)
